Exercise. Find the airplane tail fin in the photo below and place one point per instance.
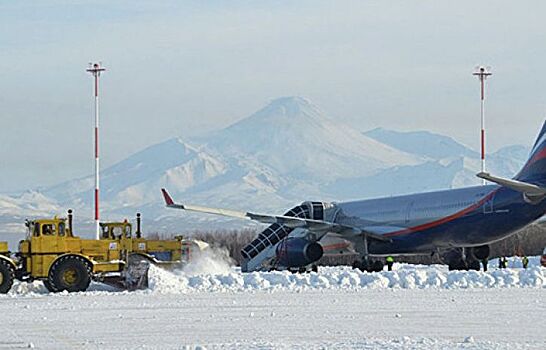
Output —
(534, 170)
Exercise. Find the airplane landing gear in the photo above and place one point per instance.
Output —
(368, 266)
(456, 264)
(459, 260)
(365, 264)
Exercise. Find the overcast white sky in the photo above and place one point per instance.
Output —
(178, 68)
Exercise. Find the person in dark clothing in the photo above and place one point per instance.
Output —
(503, 262)
(390, 262)
(484, 263)
(525, 262)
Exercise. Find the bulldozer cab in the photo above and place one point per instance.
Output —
(47, 228)
(45, 235)
(116, 230)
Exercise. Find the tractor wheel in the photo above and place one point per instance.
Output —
(49, 287)
(6, 276)
(70, 273)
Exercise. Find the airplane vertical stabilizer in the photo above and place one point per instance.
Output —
(534, 170)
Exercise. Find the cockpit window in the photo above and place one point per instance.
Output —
(117, 231)
(127, 231)
(105, 232)
(48, 229)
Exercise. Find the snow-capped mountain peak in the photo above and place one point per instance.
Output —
(294, 137)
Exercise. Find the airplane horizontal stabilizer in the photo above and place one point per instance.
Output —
(532, 191)
(288, 221)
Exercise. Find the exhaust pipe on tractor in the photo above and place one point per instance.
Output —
(138, 233)
(70, 222)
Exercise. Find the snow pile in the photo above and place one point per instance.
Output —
(405, 277)
(31, 289)
(212, 272)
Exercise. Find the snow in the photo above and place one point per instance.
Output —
(212, 305)
(374, 318)
(212, 273)
(407, 277)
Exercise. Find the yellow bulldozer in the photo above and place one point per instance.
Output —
(51, 253)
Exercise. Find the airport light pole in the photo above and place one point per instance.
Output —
(482, 73)
(95, 69)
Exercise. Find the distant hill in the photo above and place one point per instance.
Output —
(423, 143)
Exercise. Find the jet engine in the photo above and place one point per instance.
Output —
(298, 252)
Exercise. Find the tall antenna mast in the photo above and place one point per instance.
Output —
(95, 69)
(482, 73)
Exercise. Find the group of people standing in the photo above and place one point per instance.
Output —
(503, 262)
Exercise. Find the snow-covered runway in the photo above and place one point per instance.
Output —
(412, 307)
(373, 318)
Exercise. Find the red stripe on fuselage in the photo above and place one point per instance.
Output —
(443, 220)
(335, 246)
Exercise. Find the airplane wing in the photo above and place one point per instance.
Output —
(289, 221)
(529, 189)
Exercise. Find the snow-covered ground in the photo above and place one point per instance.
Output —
(422, 307)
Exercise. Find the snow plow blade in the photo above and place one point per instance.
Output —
(134, 277)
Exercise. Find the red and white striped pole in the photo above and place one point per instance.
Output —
(482, 73)
(95, 69)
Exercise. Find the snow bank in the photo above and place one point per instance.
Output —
(405, 277)
(212, 273)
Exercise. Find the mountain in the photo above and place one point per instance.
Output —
(423, 143)
(293, 137)
(449, 164)
(15, 209)
(171, 164)
(285, 153)
(275, 157)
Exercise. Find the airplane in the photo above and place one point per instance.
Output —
(464, 220)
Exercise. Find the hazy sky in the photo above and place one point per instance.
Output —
(178, 68)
